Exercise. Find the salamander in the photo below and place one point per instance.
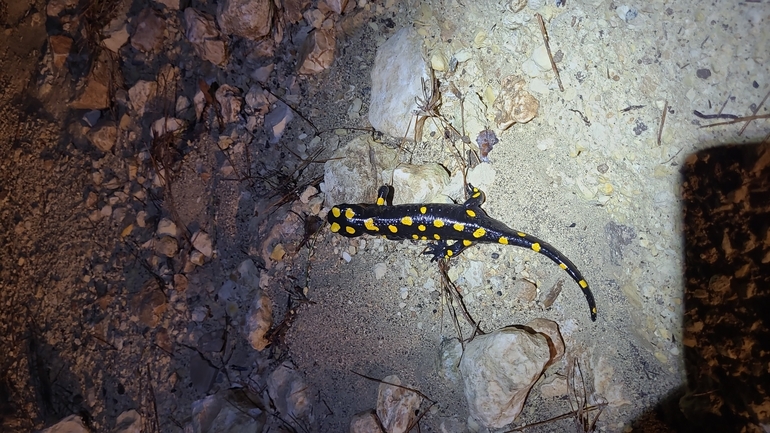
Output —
(464, 224)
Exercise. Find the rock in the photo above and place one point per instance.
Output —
(94, 92)
(170, 4)
(276, 121)
(180, 282)
(202, 373)
(703, 73)
(396, 406)
(103, 136)
(355, 108)
(129, 421)
(317, 52)
(337, 6)
(438, 61)
(165, 125)
(262, 74)
(149, 29)
(204, 36)
(166, 227)
(92, 117)
(292, 397)
(250, 19)
(550, 330)
(278, 253)
(309, 192)
(514, 104)
(498, 370)
(230, 102)
(202, 242)
(516, 5)
(70, 424)
(259, 320)
(450, 353)
(397, 77)
(166, 246)
(197, 258)
(419, 184)
(182, 104)
(115, 38)
(56, 7)
(314, 17)
(540, 57)
(60, 49)
(348, 173)
(257, 100)
(292, 10)
(524, 290)
(365, 422)
(229, 411)
(140, 94)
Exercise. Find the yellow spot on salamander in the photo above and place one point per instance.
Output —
(522, 234)
(369, 224)
(350, 230)
(467, 243)
(336, 212)
(335, 227)
(476, 194)
(407, 220)
(423, 209)
(421, 228)
(415, 237)
(349, 213)
(380, 201)
(436, 236)
(503, 240)
(459, 227)
(449, 253)
(393, 228)
(479, 232)
(535, 247)
(563, 266)
(438, 223)
(425, 238)
(470, 213)
(583, 284)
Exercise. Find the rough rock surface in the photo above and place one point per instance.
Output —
(397, 79)
(498, 370)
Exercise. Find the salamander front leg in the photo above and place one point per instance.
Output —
(475, 197)
(385, 195)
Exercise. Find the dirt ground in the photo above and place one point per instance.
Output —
(98, 317)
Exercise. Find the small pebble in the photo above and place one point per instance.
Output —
(703, 73)
(346, 257)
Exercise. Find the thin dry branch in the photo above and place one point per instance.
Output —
(548, 49)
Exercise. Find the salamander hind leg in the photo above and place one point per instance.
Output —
(441, 250)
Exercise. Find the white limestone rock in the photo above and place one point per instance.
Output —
(498, 370)
(397, 77)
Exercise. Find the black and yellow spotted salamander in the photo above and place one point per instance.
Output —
(465, 224)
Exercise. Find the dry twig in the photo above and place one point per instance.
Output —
(662, 121)
(548, 48)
